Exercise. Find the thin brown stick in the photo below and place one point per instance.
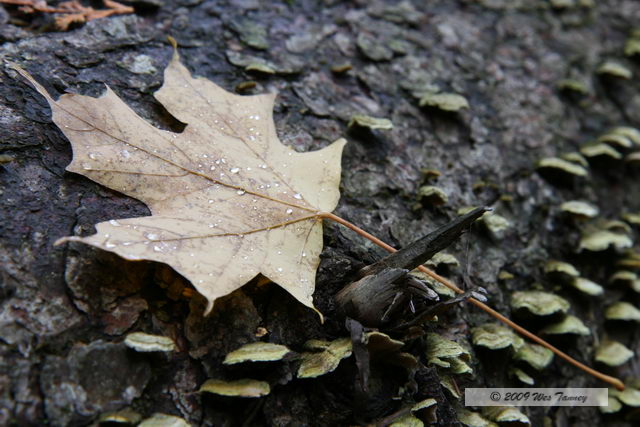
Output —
(522, 331)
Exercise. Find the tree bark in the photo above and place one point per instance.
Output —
(65, 311)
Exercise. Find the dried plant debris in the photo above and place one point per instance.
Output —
(580, 209)
(622, 310)
(539, 303)
(139, 341)
(473, 419)
(436, 286)
(556, 164)
(536, 356)
(613, 353)
(72, 12)
(560, 268)
(164, 420)
(257, 352)
(505, 414)
(373, 123)
(315, 364)
(495, 337)
(238, 223)
(614, 69)
(237, 388)
(444, 101)
(601, 240)
(568, 325)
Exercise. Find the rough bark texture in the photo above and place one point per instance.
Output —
(64, 311)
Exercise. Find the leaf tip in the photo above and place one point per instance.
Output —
(207, 310)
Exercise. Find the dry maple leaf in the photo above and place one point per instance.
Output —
(228, 200)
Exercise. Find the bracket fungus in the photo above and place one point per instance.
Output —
(587, 286)
(164, 420)
(372, 123)
(505, 414)
(539, 303)
(614, 69)
(622, 310)
(139, 341)
(238, 388)
(536, 356)
(451, 102)
(568, 325)
(495, 337)
(257, 352)
(473, 419)
(315, 364)
(448, 354)
(601, 240)
(580, 209)
(613, 353)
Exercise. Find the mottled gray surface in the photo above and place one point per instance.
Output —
(65, 310)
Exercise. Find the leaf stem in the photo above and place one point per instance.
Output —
(522, 331)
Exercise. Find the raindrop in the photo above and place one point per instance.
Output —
(252, 138)
(211, 225)
(262, 166)
(127, 243)
(110, 245)
(93, 156)
(223, 161)
(157, 248)
(304, 254)
(234, 170)
(151, 236)
(210, 200)
(86, 166)
(256, 117)
(279, 269)
(212, 168)
(240, 192)
(297, 196)
(289, 211)
(114, 223)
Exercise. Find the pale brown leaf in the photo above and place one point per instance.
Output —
(228, 200)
